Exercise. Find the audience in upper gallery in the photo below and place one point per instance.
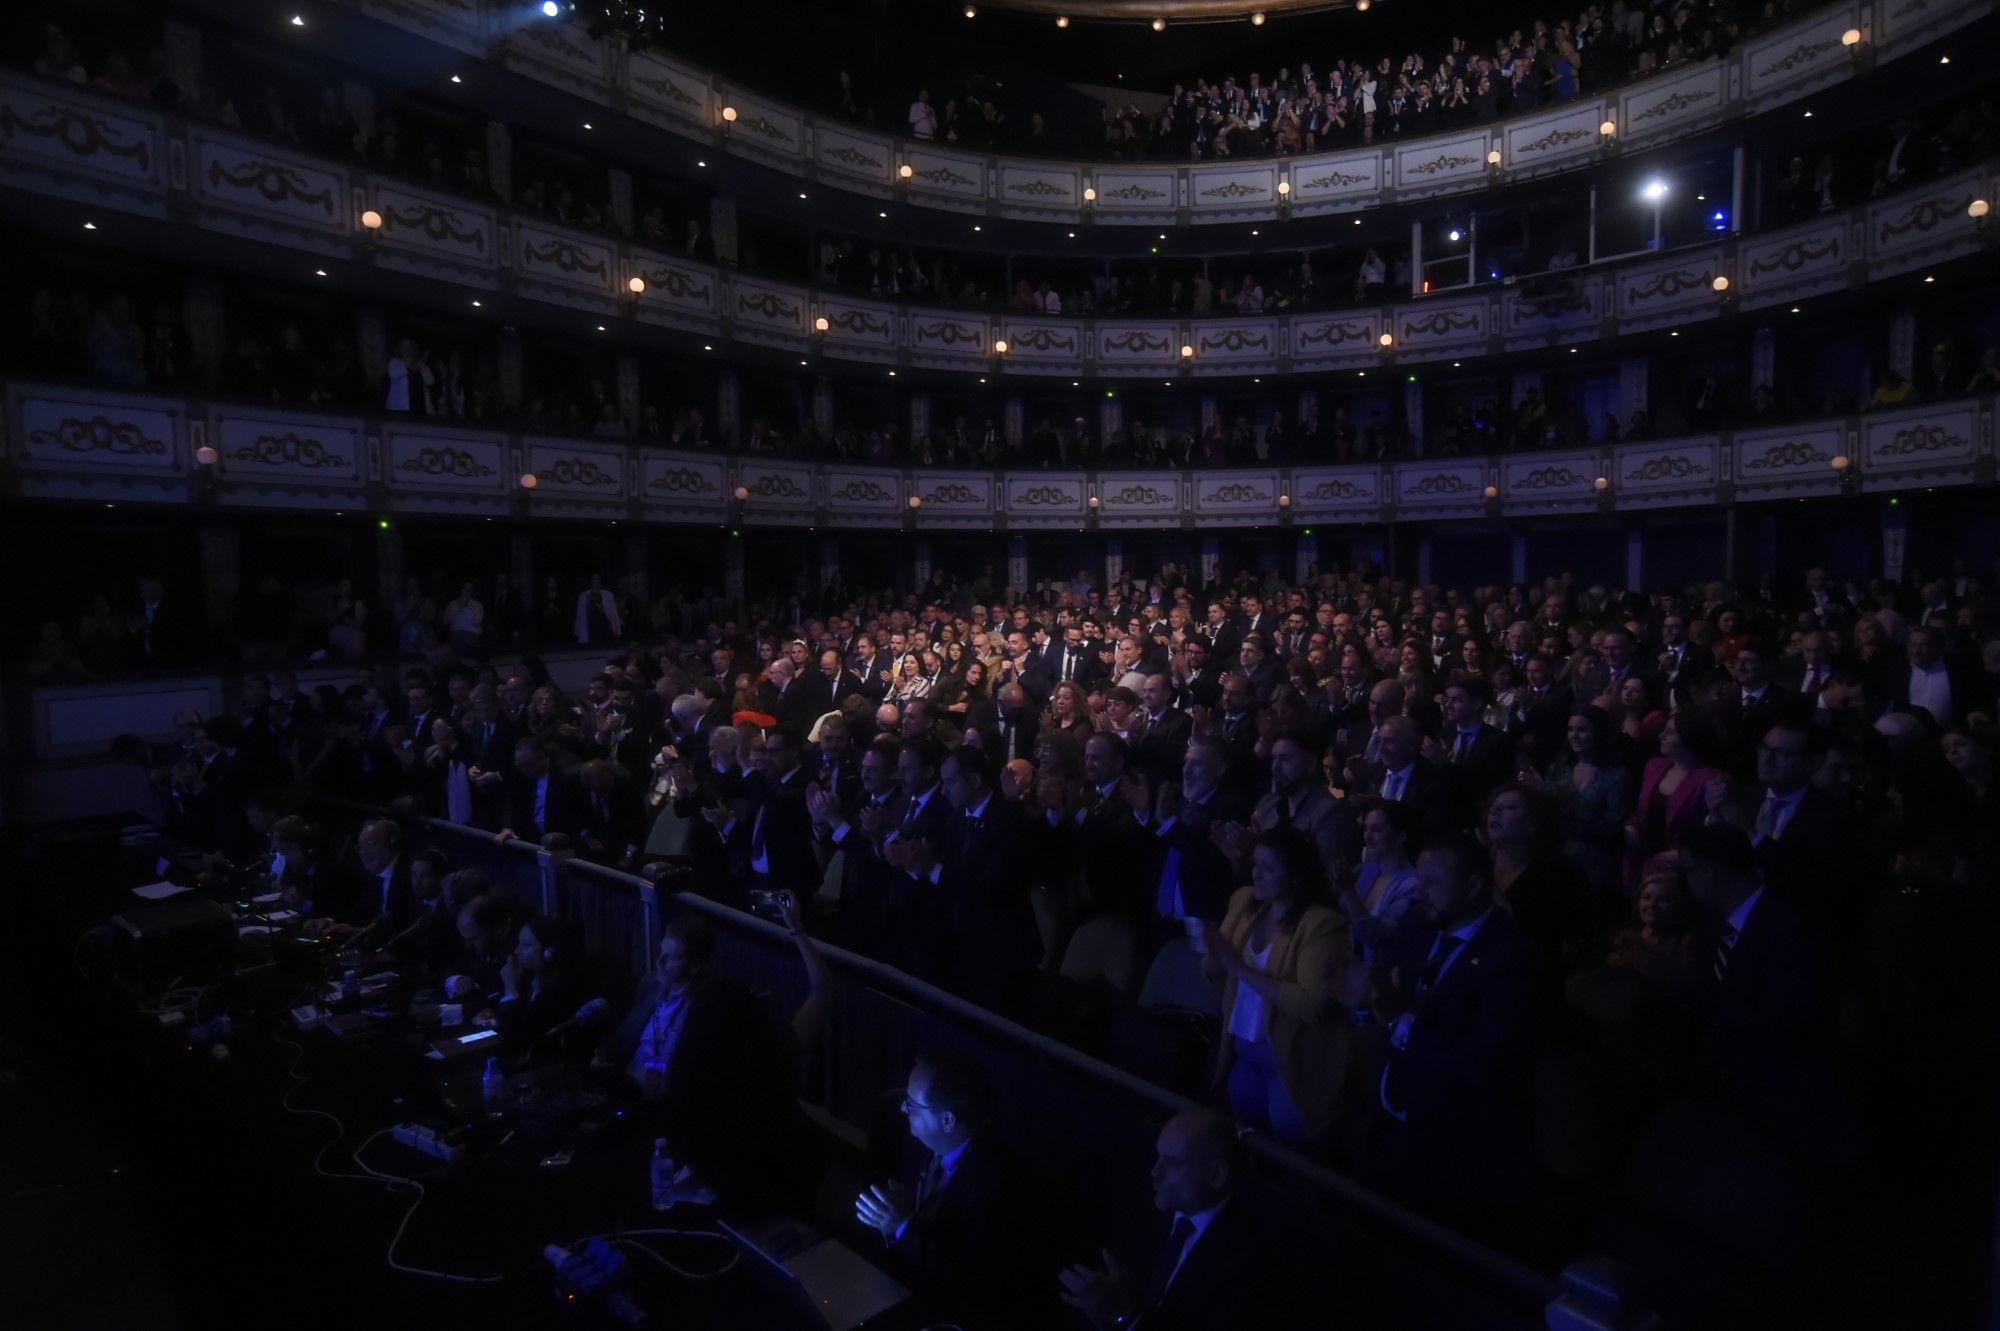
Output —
(1641, 844)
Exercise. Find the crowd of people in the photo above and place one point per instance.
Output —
(1403, 845)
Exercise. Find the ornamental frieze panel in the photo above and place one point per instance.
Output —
(444, 460)
(1044, 340)
(1414, 485)
(1332, 180)
(1665, 287)
(566, 257)
(769, 304)
(1670, 105)
(1236, 494)
(1534, 479)
(1045, 496)
(1555, 138)
(947, 333)
(1133, 193)
(473, 465)
(312, 451)
(1902, 226)
(98, 140)
(1666, 467)
(418, 223)
(1140, 494)
(1936, 437)
(849, 155)
(1037, 188)
(83, 435)
(1443, 324)
(577, 473)
(845, 490)
(1134, 342)
(653, 80)
(682, 286)
(272, 186)
(956, 494)
(1784, 455)
(93, 433)
(861, 323)
(1795, 256)
(1233, 341)
(1330, 491)
(778, 487)
(680, 481)
(1234, 189)
(1333, 333)
(1798, 57)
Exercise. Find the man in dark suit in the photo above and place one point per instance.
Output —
(770, 840)
(1022, 666)
(1007, 723)
(1769, 991)
(380, 892)
(1265, 671)
(953, 1225)
(1400, 772)
(1799, 833)
(1541, 711)
(534, 799)
(1075, 660)
(1478, 757)
(1236, 729)
(1459, 1013)
(1203, 1259)
(835, 763)
(854, 829)
(842, 683)
(1192, 878)
(1299, 798)
(1164, 738)
(978, 867)
(1098, 833)
(604, 813)
(1929, 684)
(868, 666)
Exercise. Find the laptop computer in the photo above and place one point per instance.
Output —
(826, 1282)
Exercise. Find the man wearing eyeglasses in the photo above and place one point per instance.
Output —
(952, 1223)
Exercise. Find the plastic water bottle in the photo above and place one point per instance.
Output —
(663, 1176)
(350, 986)
(492, 1085)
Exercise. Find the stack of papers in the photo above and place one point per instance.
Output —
(158, 891)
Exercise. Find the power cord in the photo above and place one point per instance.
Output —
(625, 1238)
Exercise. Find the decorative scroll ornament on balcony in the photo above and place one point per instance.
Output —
(444, 461)
(759, 125)
(950, 335)
(578, 471)
(943, 175)
(679, 284)
(1666, 106)
(1796, 256)
(1235, 339)
(1443, 322)
(1921, 439)
(1794, 453)
(1041, 189)
(777, 485)
(1136, 340)
(682, 480)
(1237, 493)
(1046, 496)
(1333, 489)
(1572, 298)
(564, 257)
(1668, 285)
(850, 155)
(99, 434)
(1443, 162)
(1045, 339)
(1550, 478)
(1134, 192)
(666, 88)
(277, 182)
(1234, 189)
(860, 491)
(439, 224)
(767, 304)
(1555, 138)
(1803, 54)
(1443, 483)
(289, 450)
(1333, 334)
(857, 322)
(1141, 496)
(1337, 180)
(1924, 217)
(84, 134)
(954, 493)
(1667, 467)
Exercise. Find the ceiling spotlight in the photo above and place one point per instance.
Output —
(892, 374)
(1253, 233)
(1062, 20)
(970, 12)
(1808, 115)
(975, 226)
(298, 20)
(456, 79)
(700, 163)
(1072, 235)
(1654, 190)
(550, 8)
(588, 125)
(90, 226)
(1257, 19)
(319, 272)
(1944, 60)
(708, 348)
(600, 328)
(475, 304)
(1452, 235)
(881, 214)
(802, 194)
(1159, 25)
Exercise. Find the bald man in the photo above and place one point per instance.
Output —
(1202, 1261)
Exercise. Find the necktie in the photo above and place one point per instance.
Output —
(1723, 947)
(933, 1178)
(1442, 952)
(1812, 680)
(1282, 813)
(1069, 665)
(1392, 786)
(1169, 1261)
(1767, 820)
(1464, 746)
(1170, 882)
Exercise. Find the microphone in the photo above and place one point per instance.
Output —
(586, 1016)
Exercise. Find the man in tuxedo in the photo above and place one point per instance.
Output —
(1541, 711)
(869, 668)
(1251, 617)
(1479, 757)
(1075, 661)
(1207, 1262)
(1459, 1013)
(1236, 729)
(1755, 702)
(1443, 644)
(797, 702)
(953, 1224)
(1022, 666)
(770, 840)
(1099, 834)
(381, 892)
(835, 763)
(842, 683)
(1197, 673)
(1797, 830)
(620, 740)
(915, 925)
(1682, 665)
(1400, 772)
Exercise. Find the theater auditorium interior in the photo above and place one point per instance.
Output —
(1038, 665)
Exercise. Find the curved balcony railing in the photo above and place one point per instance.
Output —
(86, 444)
(65, 142)
(1769, 71)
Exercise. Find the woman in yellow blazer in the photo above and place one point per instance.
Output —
(1288, 966)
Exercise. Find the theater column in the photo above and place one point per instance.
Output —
(1635, 560)
(1017, 564)
(1211, 561)
(631, 393)
(1114, 561)
(521, 564)
(920, 421)
(1305, 556)
(822, 406)
(829, 564)
(620, 182)
(388, 563)
(204, 317)
(221, 558)
(1763, 358)
(920, 562)
(1013, 422)
(500, 159)
(728, 408)
(1110, 420)
(1895, 533)
(1634, 381)
(1903, 344)
(511, 373)
(1413, 414)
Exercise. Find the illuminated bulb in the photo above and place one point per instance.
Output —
(1361, 6)
(1385, 340)
(1062, 20)
(915, 502)
(1257, 19)
(636, 285)
(1284, 187)
(298, 20)
(207, 456)
(729, 115)
(1284, 501)
(1000, 346)
(372, 220)
(1186, 351)
(1089, 195)
(1492, 492)
(904, 172)
(1852, 37)
(1159, 25)
(1721, 284)
(970, 12)
(1978, 208)
(820, 325)
(1601, 483)
(1094, 501)
(742, 493)
(1842, 463)
(1608, 128)
(529, 480)
(1493, 157)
